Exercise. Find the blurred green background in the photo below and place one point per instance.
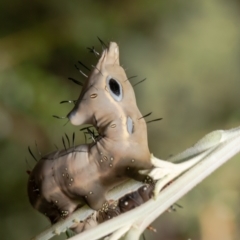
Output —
(188, 50)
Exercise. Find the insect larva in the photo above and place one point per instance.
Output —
(65, 180)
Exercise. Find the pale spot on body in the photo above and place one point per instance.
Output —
(94, 95)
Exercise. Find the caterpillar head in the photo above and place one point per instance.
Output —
(106, 95)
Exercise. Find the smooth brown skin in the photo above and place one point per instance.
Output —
(64, 181)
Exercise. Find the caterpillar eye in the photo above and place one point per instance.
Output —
(115, 88)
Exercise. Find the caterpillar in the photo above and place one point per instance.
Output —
(65, 180)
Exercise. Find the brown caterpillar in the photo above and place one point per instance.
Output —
(65, 180)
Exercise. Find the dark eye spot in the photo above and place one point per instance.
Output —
(115, 88)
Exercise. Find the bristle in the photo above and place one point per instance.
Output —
(85, 128)
(104, 46)
(89, 132)
(85, 137)
(130, 78)
(146, 115)
(92, 134)
(30, 151)
(58, 117)
(85, 75)
(67, 139)
(154, 120)
(84, 66)
(93, 50)
(85, 133)
(63, 141)
(76, 81)
(68, 101)
(139, 82)
(178, 205)
(73, 138)
(66, 123)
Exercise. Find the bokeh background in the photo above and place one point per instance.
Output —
(188, 50)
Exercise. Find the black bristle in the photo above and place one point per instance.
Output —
(73, 138)
(85, 137)
(67, 139)
(84, 66)
(146, 115)
(93, 50)
(154, 120)
(75, 81)
(85, 128)
(178, 205)
(68, 101)
(102, 43)
(66, 123)
(84, 74)
(63, 141)
(30, 151)
(58, 117)
(139, 82)
(130, 78)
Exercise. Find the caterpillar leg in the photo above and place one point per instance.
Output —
(109, 210)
